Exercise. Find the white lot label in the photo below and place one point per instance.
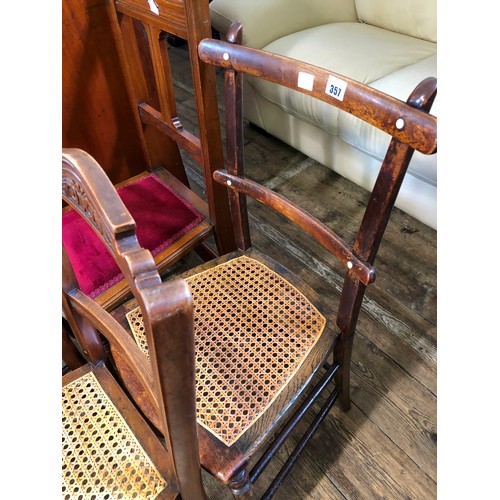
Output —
(336, 87)
(154, 7)
(306, 81)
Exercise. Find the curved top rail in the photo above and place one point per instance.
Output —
(412, 126)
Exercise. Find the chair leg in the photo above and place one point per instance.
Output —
(342, 355)
(241, 486)
(70, 354)
(206, 252)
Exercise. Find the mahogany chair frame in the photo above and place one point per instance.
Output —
(411, 127)
(167, 309)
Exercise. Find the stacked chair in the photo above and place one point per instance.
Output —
(224, 360)
(109, 449)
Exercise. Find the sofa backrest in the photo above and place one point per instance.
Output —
(417, 18)
(265, 21)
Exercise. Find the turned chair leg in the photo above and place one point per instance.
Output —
(241, 486)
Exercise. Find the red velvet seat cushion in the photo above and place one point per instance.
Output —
(161, 216)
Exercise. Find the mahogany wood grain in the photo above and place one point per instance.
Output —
(140, 71)
(95, 113)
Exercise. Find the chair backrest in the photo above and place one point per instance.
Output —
(167, 308)
(141, 28)
(411, 126)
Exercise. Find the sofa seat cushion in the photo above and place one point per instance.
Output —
(391, 62)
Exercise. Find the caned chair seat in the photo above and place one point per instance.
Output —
(103, 453)
(256, 334)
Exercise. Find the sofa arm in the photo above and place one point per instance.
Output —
(265, 21)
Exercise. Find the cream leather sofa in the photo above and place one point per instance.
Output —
(388, 44)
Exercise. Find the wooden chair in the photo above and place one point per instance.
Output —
(119, 105)
(262, 335)
(109, 450)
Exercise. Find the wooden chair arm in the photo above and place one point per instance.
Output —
(98, 203)
(117, 335)
(88, 190)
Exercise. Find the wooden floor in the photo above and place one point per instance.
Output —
(385, 446)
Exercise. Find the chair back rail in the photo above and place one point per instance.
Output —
(140, 29)
(405, 123)
(322, 233)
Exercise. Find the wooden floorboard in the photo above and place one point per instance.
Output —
(385, 446)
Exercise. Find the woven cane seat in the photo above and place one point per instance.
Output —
(102, 457)
(253, 330)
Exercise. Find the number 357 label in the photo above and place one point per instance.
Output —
(336, 87)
